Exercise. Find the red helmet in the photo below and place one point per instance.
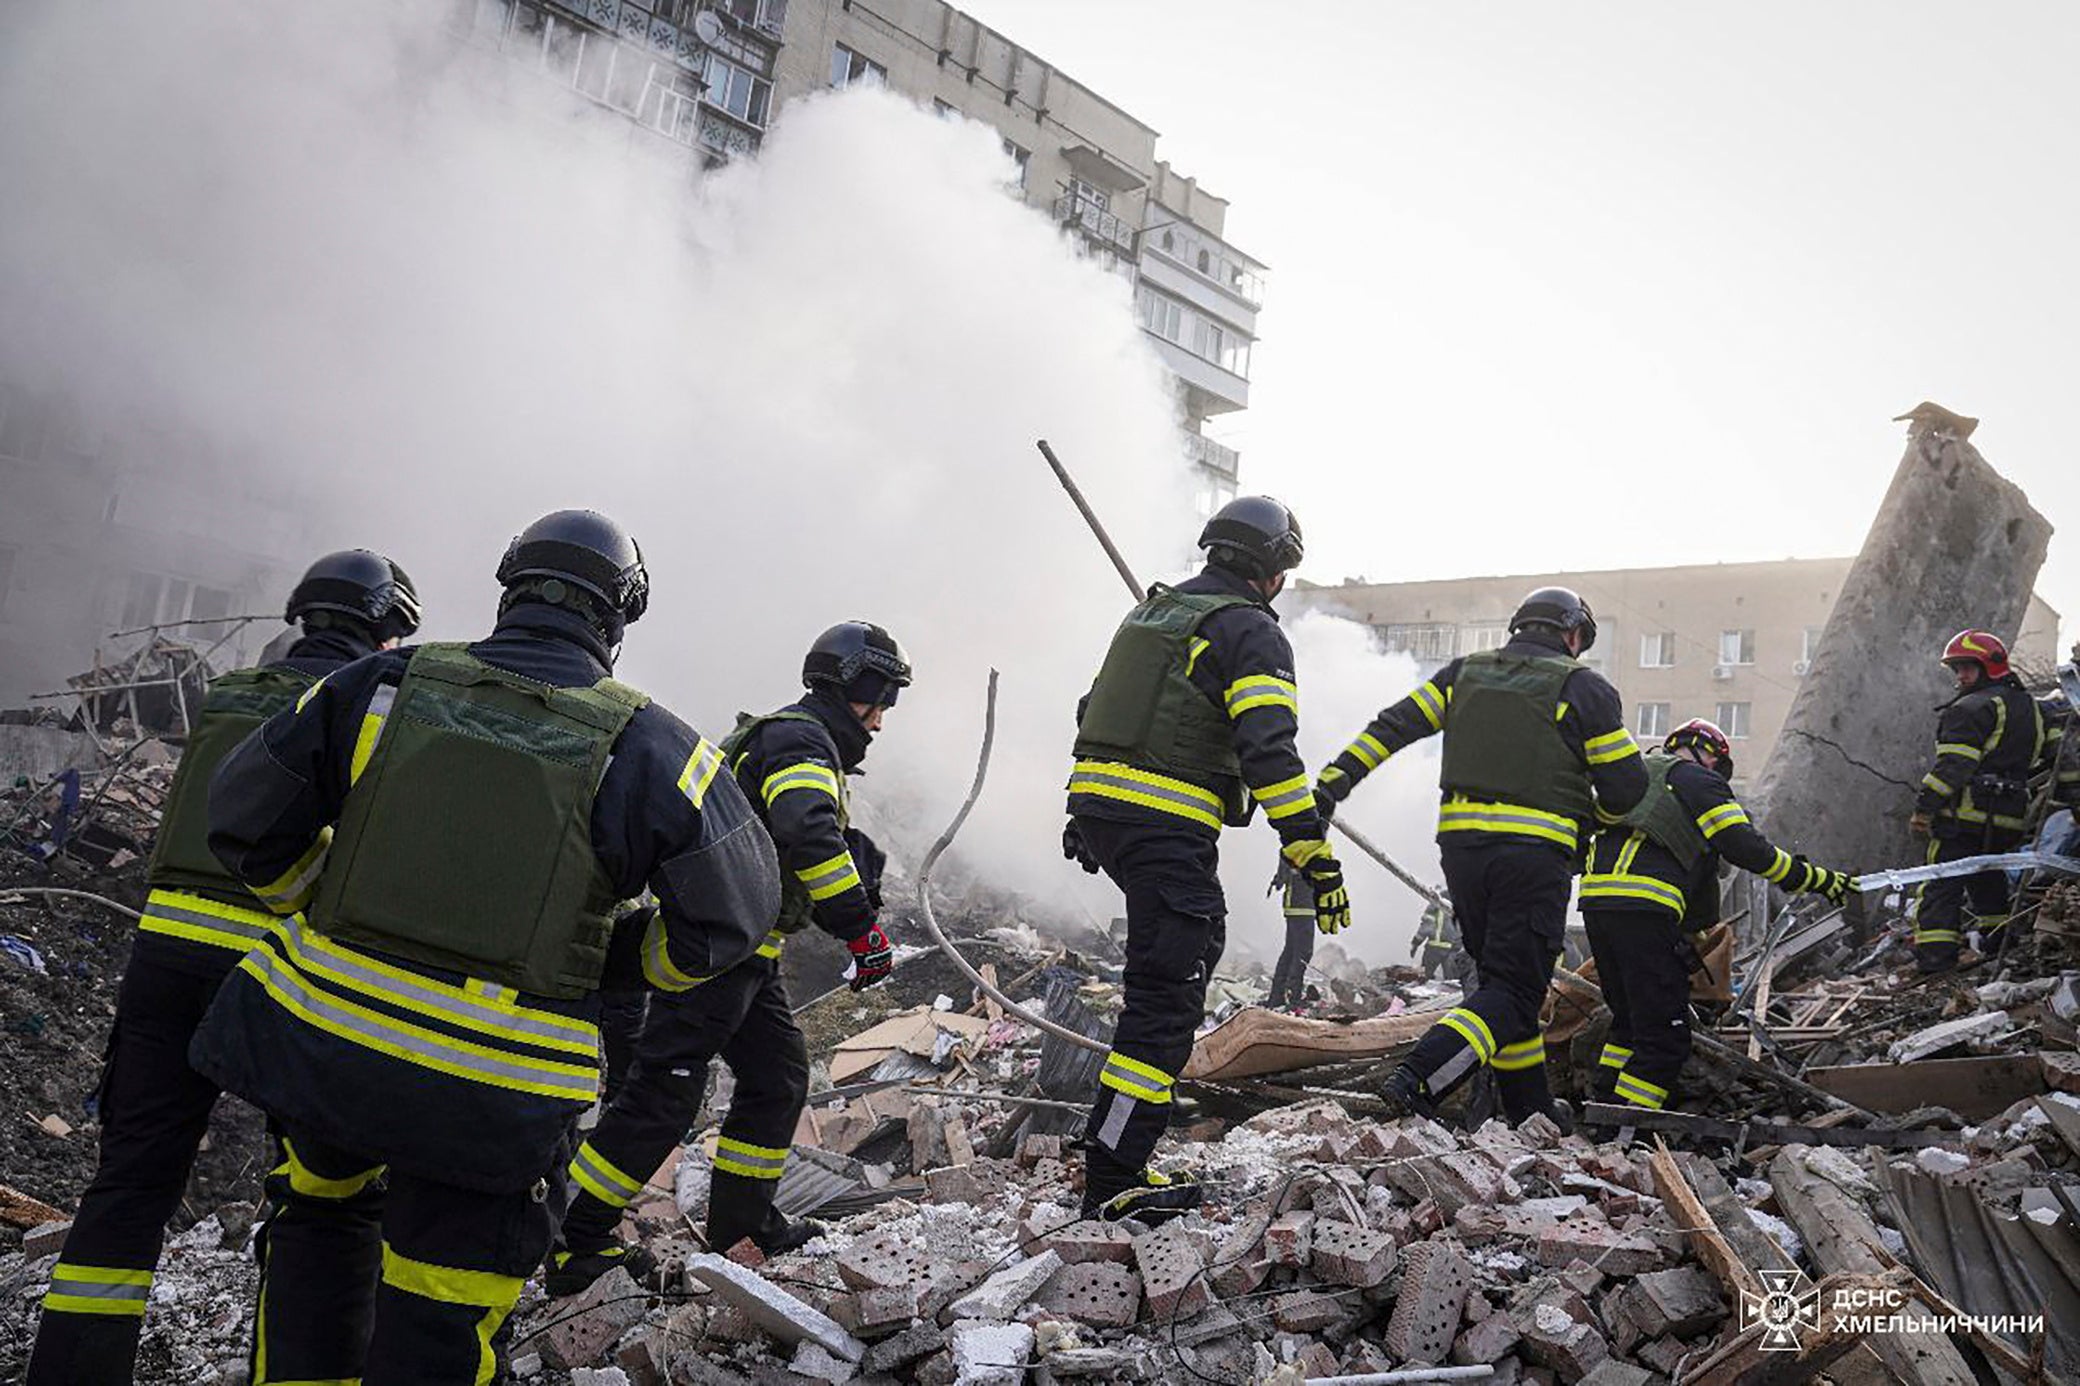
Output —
(1979, 647)
(1703, 735)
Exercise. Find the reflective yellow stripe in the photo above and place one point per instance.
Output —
(1521, 1055)
(1615, 1056)
(1780, 868)
(109, 1290)
(306, 1181)
(1136, 1079)
(1958, 748)
(199, 919)
(310, 693)
(1368, 750)
(733, 1156)
(290, 892)
(658, 968)
(1195, 647)
(807, 774)
(1934, 783)
(771, 947)
(829, 878)
(601, 1178)
(1714, 821)
(1112, 780)
(1430, 703)
(1611, 746)
(1286, 798)
(1629, 886)
(1471, 1028)
(1460, 814)
(699, 772)
(494, 1294)
(1937, 936)
(371, 730)
(1641, 1093)
(1261, 690)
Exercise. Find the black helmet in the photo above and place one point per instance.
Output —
(1255, 535)
(585, 549)
(1562, 608)
(861, 660)
(360, 585)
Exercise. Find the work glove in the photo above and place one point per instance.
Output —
(1921, 823)
(1835, 885)
(873, 958)
(1075, 849)
(1332, 903)
(1329, 791)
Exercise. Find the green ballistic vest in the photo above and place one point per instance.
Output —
(467, 842)
(1502, 735)
(796, 909)
(1145, 711)
(1662, 817)
(234, 706)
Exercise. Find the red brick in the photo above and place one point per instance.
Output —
(1433, 1294)
(1091, 1240)
(1485, 1341)
(1289, 1241)
(1173, 1276)
(1356, 1256)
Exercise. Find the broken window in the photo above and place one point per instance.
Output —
(1658, 650)
(1736, 647)
(1733, 719)
(1653, 720)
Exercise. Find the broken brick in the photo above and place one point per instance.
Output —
(1554, 1339)
(903, 1349)
(1090, 1240)
(1289, 1240)
(1098, 1293)
(1486, 1341)
(1005, 1293)
(1598, 1243)
(881, 1262)
(1356, 1256)
(583, 1329)
(1173, 1276)
(1036, 1147)
(1434, 1286)
(1682, 1301)
(1306, 1311)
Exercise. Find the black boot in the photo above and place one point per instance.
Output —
(1151, 1198)
(573, 1272)
(1405, 1094)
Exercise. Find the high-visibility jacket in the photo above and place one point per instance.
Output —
(1987, 743)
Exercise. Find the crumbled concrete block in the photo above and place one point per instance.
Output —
(949, 1281)
(1682, 1301)
(773, 1309)
(882, 1261)
(643, 1356)
(1091, 1240)
(1005, 1293)
(954, 1184)
(2061, 1070)
(586, 1325)
(1319, 1115)
(1555, 1340)
(1289, 1240)
(1173, 1276)
(1413, 1136)
(1306, 1311)
(526, 1364)
(1095, 1292)
(1601, 1245)
(46, 1240)
(1434, 1285)
(1036, 1147)
(1940, 1039)
(1539, 1131)
(1581, 1277)
(1317, 1360)
(937, 1370)
(1664, 1355)
(991, 1354)
(1365, 1358)
(1611, 1372)
(812, 1361)
(1356, 1256)
(1485, 1341)
(892, 1354)
(879, 1309)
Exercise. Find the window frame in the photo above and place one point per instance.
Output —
(1662, 720)
(1743, 644)
(1735, 719)
(1664, 642)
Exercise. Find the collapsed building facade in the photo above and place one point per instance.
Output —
(1873, 1175)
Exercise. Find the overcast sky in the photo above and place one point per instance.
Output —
(1597, 284)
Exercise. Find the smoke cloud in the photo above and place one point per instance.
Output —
(433, 297)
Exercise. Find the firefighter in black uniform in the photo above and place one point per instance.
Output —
(1652, 882)
(198, 921)
(1435, 941)
(459, 823)
(792, 765)
(1535, 753)
(1191, 718)
(1975, 798)
(2061, 757)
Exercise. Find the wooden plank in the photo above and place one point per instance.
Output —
(1744, 1361)
(1974, 1088)
(1697, 1225)
(18, 1209)
(1756, 1249)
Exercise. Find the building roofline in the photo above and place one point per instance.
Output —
(1082, 86)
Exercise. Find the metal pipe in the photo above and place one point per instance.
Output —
(924, 894)
(6, 891)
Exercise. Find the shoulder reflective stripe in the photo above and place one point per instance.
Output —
(291, 891)
(1261, 690)
(658, 968)
(1935, 784)
(1430, 703)
(1561, 709)
(1521, 1055)
(77, 1289)
(1957, 748)
(1111, 780)
(700, 771)
(413, 1044)
(1610, 747)
(1136, 1079)
(1465, 815)
(310, 693)
(829, 878)
(598, 1176)
(503, 1020)
(1196, 646)
(1714, 821)
(807, 774)
(1471, 1028)
(198, 919)
(733, 1156)
(1286, 798)
(2000, 725)
(371, 730)
(308, 1182)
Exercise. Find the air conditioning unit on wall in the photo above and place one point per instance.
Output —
(1722, 672)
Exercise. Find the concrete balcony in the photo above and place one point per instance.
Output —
(1213, 389)
(1101, 228)
(1217, 458)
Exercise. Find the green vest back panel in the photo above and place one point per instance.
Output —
(467, 842)
(1145, 711)
(1662, 817)
(795, 905)
(1502, 735)
(235, 705)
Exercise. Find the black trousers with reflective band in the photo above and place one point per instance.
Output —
(448, 1266)
(1939, 921)
(1645, 976)
(1510, 899)
(743, 1018)
(1176, 929)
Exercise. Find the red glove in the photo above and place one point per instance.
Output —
(873, 958)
